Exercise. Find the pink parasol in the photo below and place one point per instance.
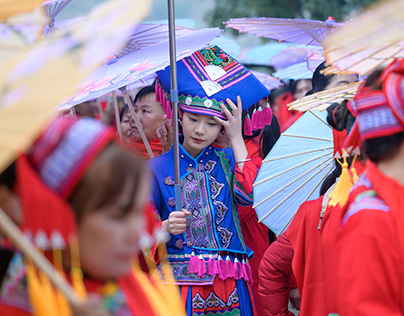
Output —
(307, 32)
(126, 70)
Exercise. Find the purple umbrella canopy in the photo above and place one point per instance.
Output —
(126, 69)
(267, 80)
(307, 32)
(293, 55)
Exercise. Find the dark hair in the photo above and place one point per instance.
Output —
(144, 91)
(113, 169)
(382, 148)
(319, 80)
(125, 109)
(269, 136)
(8, 177)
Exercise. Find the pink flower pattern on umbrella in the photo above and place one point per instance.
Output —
(94, 85)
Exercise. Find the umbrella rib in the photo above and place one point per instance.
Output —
(321, 120)
(305, 200)
(298, 154)
(293, 181)
(294, 167)
(298, 188)
(308, 137)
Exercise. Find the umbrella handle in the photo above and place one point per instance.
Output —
(139, 126)
(10, 229)
(117, 118)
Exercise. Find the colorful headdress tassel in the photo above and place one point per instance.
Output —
(340, 193)
(247, 126)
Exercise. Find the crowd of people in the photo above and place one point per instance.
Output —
(105, 215)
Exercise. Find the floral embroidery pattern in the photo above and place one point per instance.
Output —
(169, 181)
(200, 230)
(171, 202)
(225, 235)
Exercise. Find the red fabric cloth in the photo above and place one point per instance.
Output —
(365, 253)
(305, 238)
(274, 272)
(255, 234)
(140, 148)
(282, 113)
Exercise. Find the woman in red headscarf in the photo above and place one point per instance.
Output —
(83, 198)
(365, 275)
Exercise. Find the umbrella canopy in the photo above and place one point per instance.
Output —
(9, 8)
(307, 32)
(126, 70)
(267, 80)
(365, 61)
(54, 7)
(293, 55)
(295, 72)
(19, 32)
(293, 171)
(34, 82)
(320, 101)
(261, 55)
(373, 40)
(376, 26)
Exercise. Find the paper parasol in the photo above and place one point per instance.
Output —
(320, 101)
(307, 32)
(293, 170)
(34, 83)
(371, 41)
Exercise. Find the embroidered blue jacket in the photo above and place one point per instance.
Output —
(211, 193)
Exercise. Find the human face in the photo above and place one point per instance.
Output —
(342, 80)
(302, 87)
(150, 114)
(125, 126)
(199, 132)
(109, 237)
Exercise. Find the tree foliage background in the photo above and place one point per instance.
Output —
(306, 9)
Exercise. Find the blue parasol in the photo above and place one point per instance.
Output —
(294, 170)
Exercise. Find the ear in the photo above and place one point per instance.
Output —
(180, 115)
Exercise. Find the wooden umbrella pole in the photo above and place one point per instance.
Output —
(136, 119)
(117, 118)
(11, 230)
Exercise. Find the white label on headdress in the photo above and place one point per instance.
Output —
(210, 87)
(188, 101)
(57, 240)
(214, 72)
(208, 103)
(41, 240)
(337, 155)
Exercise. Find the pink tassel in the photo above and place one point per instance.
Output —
(193, 263)
(247, 126)
(260, 118)
(222, 268)
(243, 271)
(249, 272)
(212, 266)
(230, 267)
(168, 110)
(202, 266)
(268, 114)
(254, 120)
(237, 269)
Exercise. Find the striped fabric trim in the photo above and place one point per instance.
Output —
(364, 202)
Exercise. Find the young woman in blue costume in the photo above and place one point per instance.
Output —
(206, 249)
